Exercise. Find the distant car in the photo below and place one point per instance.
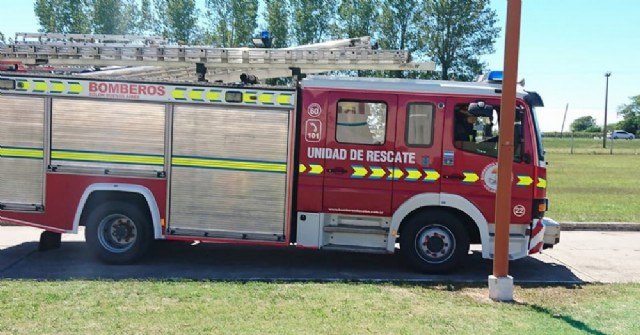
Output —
(621, 134)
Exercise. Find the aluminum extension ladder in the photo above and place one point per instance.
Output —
(222, 63)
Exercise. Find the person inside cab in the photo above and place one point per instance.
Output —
(464, 126)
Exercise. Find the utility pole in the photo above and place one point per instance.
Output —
(566, 109)
(500, 283)
(606, 103)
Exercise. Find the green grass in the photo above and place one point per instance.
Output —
(185, 307)
(591, 146)
(593, 187)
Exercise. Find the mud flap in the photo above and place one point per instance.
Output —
(49, 240)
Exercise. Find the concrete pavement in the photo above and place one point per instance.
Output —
(581, 257)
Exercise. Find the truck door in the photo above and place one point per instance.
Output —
(419, 143)
(359, 153)
(470, 163)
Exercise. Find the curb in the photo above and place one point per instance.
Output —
(599, 226)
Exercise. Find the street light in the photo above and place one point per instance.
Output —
(606, 100)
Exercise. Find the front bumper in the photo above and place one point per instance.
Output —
(551, 233)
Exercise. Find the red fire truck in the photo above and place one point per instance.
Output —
(333, 163)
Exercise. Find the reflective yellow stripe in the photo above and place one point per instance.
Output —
(231, 165)
(213, 96)
(431, 175)
(524, 180)
(413, 174)
(196, 95)
(20, 153)
(359, 171)
(377, 172)
(470, 177)
(23, 85)
(396, 173)
(107, 158)
(40, 86)
(266, 98)
(284, 99)
(316, 169)
(249, 97)
(57, 87)
(542, 183)
(178, 94)
(75, 88)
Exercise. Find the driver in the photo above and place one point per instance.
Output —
(464, 125)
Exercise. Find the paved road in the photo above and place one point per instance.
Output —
(582, 256)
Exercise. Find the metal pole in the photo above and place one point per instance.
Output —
(502, 289)
(606, 103)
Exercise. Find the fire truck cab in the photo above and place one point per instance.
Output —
(396, 173)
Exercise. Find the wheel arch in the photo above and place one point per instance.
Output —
(99, 193)
(473, 220)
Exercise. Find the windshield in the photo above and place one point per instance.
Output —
(536, 126)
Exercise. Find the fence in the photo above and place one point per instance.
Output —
(569, 144)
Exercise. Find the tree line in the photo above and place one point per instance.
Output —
(452, 33)
(630, 120)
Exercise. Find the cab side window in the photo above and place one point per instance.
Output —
(419, 126)
(480, 135)
(361, 122)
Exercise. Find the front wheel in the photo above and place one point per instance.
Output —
(118, 232)
(434, 242)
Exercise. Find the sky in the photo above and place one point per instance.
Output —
(566, 47)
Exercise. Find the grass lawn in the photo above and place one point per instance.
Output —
(591, 146)
(187, 307)
(588, 187)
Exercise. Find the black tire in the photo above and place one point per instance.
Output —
(118, 232)
(434, 242)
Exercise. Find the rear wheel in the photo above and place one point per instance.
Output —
(118, 232)
(434, 242)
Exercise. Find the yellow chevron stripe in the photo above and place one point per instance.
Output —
(57, 87)
(107, 158)
(215, 163)
(524, 180)
(315, 169)
(542, 183)
(470, 177)
(20, 153)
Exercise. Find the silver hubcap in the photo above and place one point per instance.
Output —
(435, 243)
(117, 233)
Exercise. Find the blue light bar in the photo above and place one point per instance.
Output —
(495, 76)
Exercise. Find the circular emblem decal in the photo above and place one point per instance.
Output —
(490, 177)
(519, 211)
(314, 110)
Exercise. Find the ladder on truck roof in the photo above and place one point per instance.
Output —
(153, 57)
